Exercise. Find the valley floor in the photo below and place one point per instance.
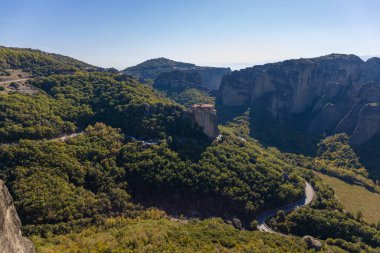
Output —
(355, 198)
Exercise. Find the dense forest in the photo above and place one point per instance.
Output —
(138, 163)
(37, 62)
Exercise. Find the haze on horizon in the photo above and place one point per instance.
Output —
(236, 33)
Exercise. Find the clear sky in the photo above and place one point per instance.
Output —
(236, 33)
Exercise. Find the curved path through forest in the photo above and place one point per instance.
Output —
(306, 200)
(65, 137)
(261, 218)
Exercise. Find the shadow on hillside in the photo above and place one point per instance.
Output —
(274, 133)
(186, 205)
(190, 148)
(369, 155)
(228, 113)
(271, 132)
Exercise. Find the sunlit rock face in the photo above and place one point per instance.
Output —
(333, 93)
(205, 116)
(11, 240)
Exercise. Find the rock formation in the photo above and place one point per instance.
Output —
(333, 93)
(11, 240)
(178, 74)
(205, 116)
(312, 243)
(203, 78)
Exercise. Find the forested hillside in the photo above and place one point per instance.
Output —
(139, 171)
(148, 70)
(38, 62)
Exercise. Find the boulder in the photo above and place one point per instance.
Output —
(236, 223)
(312, 243)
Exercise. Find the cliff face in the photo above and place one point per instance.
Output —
(203, 78)
(11, 240)
(205, 116)
(333, 93)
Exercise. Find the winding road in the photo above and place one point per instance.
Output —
(261, 218)
(306, 200)
(65, 137)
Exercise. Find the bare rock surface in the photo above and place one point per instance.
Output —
(11, 240)
(203, 78)
(205, 116)
(331, 94)
(312, 243)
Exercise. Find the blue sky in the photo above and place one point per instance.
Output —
(236, 33)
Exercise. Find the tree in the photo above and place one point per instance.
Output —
(253, 225)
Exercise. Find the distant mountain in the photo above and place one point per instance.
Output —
(366, 57)
(150, 69)
(184, 83)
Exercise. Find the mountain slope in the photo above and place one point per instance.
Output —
(136, 151)
(150, 69)
(39, 63)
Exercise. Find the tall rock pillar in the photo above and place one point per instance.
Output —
(205, 116)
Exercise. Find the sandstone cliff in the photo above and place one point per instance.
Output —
(205, 116)
(333, 93)
(11, 240)
(203, 78)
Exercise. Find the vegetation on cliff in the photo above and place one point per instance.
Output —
(139, 149)
(336, 157)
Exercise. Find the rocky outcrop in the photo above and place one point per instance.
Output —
(368, 124)
(177, 74)
(11, 240)
(203, 78)
(205, 116)
(333, 93)
(312, 243)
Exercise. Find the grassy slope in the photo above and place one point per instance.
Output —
(355, 198)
